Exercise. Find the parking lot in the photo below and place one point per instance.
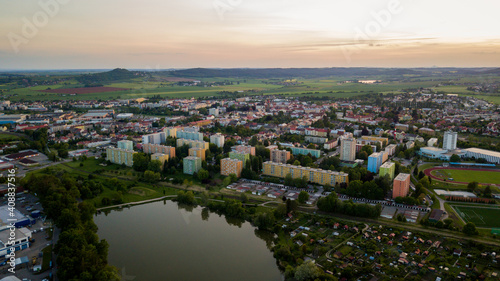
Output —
(27, 203)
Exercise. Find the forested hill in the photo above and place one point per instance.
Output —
(118, 74)
(319, 72)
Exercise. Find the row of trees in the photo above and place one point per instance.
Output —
(80, 253)
(332, 204)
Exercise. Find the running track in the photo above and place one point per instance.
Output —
(429, 171)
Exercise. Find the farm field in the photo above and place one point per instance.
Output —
(469, 175)
(84, 90)
(481, 216)
(166, 88)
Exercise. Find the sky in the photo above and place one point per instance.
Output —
(162, 34)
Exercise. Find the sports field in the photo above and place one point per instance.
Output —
(468, 175)
(480, 216)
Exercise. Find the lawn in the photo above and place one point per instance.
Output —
(47, 257)
(7, 137)
(480, 216)
(470, 176)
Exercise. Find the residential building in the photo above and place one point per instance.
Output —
(391, 149)
(217, 139)
(213, 111)
(331, 144)
(231, 166)
(120, 156)
(348, 149)
(244, 149)
(306, 151)
(160, 157)
(401, 185)
(190, 135)
(192, 143)
(432, 142)
(191, 165)
(280, 156)
(197, 152)
(170, 132)
(240, 156)
(450, 140)
(158, 148)
(375, 161)
(387, 168)
(318, 176)
(318, 140)
(126, 144)
(383, 141)
(157, 138)
(427, 131)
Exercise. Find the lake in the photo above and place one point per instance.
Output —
(167, 241)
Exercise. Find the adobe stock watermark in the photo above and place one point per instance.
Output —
(380, 19)
(223, 6)
(31, 26)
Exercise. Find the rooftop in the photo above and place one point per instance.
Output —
(483, 151)
(402, 177)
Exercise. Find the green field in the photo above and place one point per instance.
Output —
(480, 216)
(469, 176)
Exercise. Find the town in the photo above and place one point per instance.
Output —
(389, 168)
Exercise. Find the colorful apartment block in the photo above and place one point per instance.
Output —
(190, 135)
(388, 168)
(401, 185)
(158, 148)
(318, 176)
(240, 156)
(306, 151)
(348, 149)
(231, 166)
(125, 144)
(170, 132)
(191, 165)
(193, 143)
(160, 157)
(120, 156)
(375, 160)
(280, 156)
(244, 149)
(217, 139)
(383, 141)
(197, 152)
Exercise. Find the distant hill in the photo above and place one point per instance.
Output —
(118, 74)
(321, 72)
(492, 71)
(285, 72)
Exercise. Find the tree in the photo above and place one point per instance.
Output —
(244, 198)
(455, 158)
(472, 186)
(141, 162)
(253, 141)
(203, 175)
(470, 229)
(151, 177)
(303, 197)
(307, 271)
(155, 166)
(288, 180)
(296, 163)
(264, 220)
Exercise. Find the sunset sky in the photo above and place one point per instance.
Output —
(159, 34)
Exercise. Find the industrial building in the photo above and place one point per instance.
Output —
(488, 155)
